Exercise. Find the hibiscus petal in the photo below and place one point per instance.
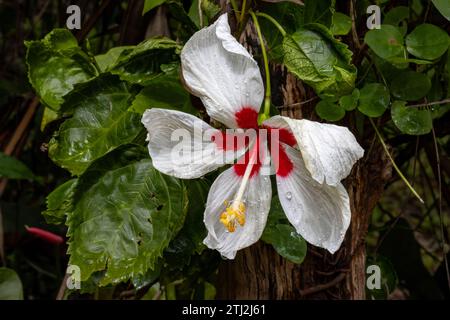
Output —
(257, 199)
(329, 151)
(319, 212)
(181, 145)
(222, 73)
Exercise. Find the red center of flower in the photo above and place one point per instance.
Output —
(247, 118)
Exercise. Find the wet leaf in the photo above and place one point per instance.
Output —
(427, 41)
(443, 7)
(342, 24)
(13, 168)
(410, 85)
(412, 121)
(386, 42)
(59, 202)
(10, 285)
(373, 99)
(329, 110)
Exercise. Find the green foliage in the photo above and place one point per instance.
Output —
(108, 59)
(349, 102)
(282, 235)
(166, 92)
(443, 7)
(130, 223)
(411, 120)
(330, 111)
(209, 10)
(123, 222)
(55, 65)
(397, 17)
(410, 85)
(314, 56)
(189, 240)
(150, 4)
(290, 15)
(10, 285)
(143, 63)
(59, 202)
(342, 24)
(373, 99)
(427, 41)
(386, 42)
(12, 168)
(319, 11)
(100, 123)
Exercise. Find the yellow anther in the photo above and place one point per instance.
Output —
(231, 215)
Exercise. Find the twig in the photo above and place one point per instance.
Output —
(62, 287)
(354, 32)
(393, 162)
(325, 286)
(297, 104)
(434, 103)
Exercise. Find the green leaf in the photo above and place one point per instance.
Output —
(124, 221)
(319, 11)
(349, 102)
(10, 285)
(324, 63)
(410, 85)
(190, 238)
(373, 99)
(443, 7)
(55, 65)
(99, 124)
(209, 10)
(12, 168)
(142, 64)
(282, 235)
(165, 92)
(427, 41)
(329, 111)
(404, 61)
(59, 202)
(108, 59)
(411, 121)
(150, 4)
(417, 7)
(342, 24)
(398, 17)
(289, 15)
(182, 26)
(386, 42)
(48, 116)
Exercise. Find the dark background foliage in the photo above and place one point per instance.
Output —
(406, 239)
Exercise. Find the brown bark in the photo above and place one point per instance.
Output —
(258, 272)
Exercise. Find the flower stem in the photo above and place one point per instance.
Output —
(274, 22)
(268, 93)
(380, 137)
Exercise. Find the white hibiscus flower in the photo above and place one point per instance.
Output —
(312, 158)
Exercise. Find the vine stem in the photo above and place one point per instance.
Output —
(273, 21)
(241, 19)
(380, 137)
(235, 8)
(268, 93)
(200, 13)
(433, 103)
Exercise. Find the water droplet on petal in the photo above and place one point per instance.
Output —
(288, 195)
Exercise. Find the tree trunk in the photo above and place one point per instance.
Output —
(258, 272)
